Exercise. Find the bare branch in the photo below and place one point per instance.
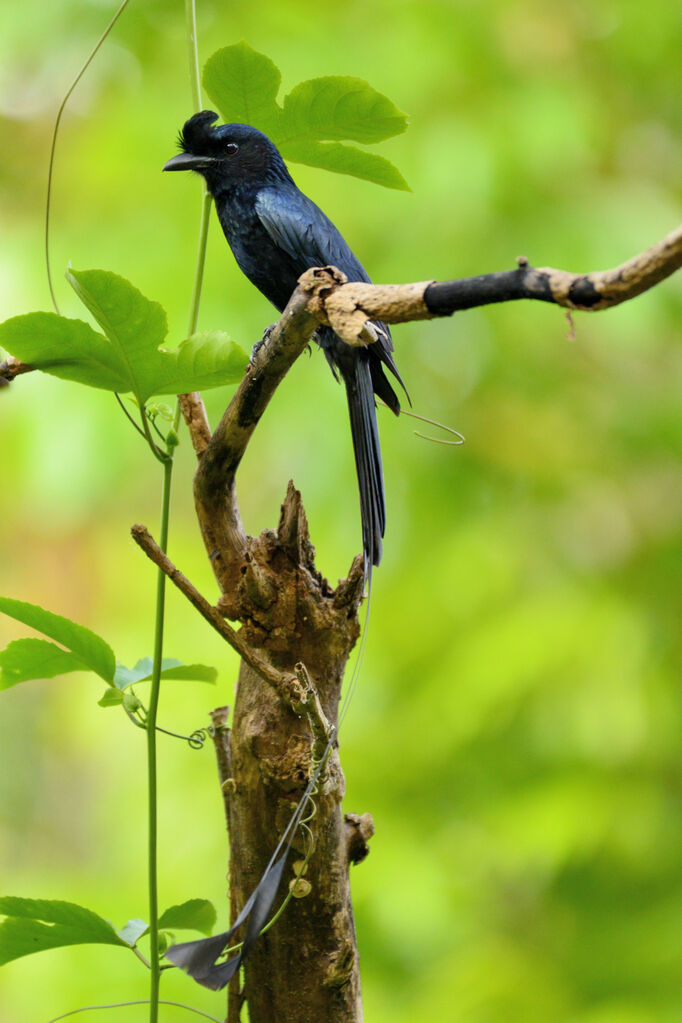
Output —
(11, 368)
(194, 414)
(589, 292)
(348, 307)
(324, 296)
(214, 490)
(291, 691)
(221, 742)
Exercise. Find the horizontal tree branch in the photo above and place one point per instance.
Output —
(324, 296)
(347, 307)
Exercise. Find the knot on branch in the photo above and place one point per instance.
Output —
(11, 368)
(350, 309)
(318, 283)
(359, 830)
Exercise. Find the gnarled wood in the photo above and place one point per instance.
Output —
(305, 970)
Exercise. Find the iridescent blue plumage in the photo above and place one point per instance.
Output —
(276, 233)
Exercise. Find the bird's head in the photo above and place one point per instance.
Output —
(226, 153)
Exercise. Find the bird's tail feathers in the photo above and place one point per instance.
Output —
(384, 350)
(365, 434)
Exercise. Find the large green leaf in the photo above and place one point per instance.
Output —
(209, 358)
(347, 160)
(90, 648)
(244, 85)
(339, 107)
(65, 348)
(194, 915)
(127, 358)
(27, 659)
(33, 925)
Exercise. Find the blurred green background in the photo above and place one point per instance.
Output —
(517, 727)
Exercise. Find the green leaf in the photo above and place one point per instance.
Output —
(68, 349)
(111, 698)
(136, 327)
(194, 915)
(133, 931)
(27, 659)
(339, 107)
(189, 673)
(244, 84)
(90, 648)
(124, 677)
(347, 160)
(33, 925)
(128, 359)
(170, 668)
(207, 359)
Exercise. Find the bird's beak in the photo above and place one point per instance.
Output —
(187, 161)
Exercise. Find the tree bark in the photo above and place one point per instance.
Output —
(305, 969)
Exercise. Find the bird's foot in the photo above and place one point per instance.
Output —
(259, 344)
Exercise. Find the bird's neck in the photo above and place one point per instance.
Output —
(230, 188)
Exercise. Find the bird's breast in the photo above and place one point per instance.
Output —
(267, 267)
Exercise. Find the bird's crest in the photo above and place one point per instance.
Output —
(196, 135)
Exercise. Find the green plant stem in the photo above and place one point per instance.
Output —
(194, 75)
(155, 971)
(167, 459)
(206, 201)
(143, 959)
(155, 450)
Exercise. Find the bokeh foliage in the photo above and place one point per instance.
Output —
(516, 730)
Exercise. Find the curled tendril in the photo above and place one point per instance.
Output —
(199, 736)
(432, 422)
(195, 741)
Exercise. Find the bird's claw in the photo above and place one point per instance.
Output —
(259, 344)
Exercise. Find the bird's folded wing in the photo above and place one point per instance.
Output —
(304, 232)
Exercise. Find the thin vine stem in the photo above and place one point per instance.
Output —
(194, 75)
(206, 201)
(138, 1001)
(152, 820)
(62, 107)
(128, 415)
(206, 204)
(155, 972)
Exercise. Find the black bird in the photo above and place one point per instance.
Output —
(276, 233)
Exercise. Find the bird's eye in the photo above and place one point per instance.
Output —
(231, 148)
